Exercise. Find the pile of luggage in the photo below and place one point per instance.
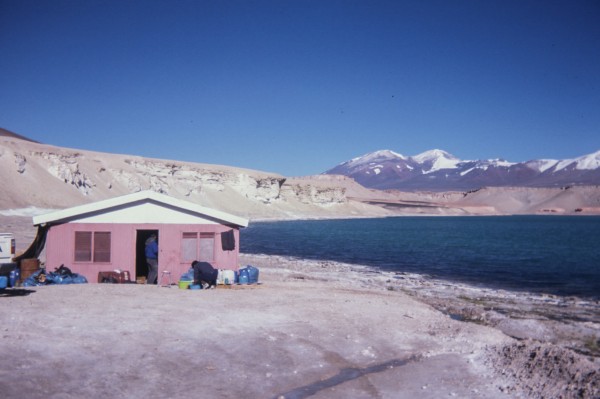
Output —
(245, 275)
(61, 275)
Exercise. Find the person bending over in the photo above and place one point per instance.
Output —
(205, 274)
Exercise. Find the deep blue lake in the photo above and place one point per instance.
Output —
(545, 254)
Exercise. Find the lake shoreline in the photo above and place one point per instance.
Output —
(567, 327)
(566, 320)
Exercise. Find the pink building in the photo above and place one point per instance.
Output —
(111, 234)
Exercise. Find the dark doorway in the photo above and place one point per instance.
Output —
(141, 270)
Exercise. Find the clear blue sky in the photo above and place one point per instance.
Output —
(296, 87)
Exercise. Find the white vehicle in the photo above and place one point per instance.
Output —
(7, 253)
(7, 247)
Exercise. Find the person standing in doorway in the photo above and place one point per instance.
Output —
(151, 252)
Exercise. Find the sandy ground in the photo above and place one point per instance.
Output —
(292, 336)
(289, 337)
(310, 329)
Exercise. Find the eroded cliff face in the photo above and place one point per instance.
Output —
(93, 176)
(265, 189)
(140, 174)
(314, 194)
(64, 167)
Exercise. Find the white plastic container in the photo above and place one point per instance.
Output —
(228, 276)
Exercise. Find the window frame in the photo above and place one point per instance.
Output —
(82, 246)
(186, 246)
(95, 246)
(200, 242)
(102, 247)
(206, 237)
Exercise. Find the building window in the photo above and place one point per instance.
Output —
(189, 245)
(102, 246)
(198, 246)
(92, 245)
(207, 247)
(83, 246)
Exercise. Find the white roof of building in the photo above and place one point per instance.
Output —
(141, 207)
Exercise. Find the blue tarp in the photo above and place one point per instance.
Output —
(53, 278)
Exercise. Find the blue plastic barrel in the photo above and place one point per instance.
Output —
(244, 277)
(252, 274)
(12, 278)
(3, 282)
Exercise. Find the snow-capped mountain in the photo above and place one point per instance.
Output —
(439, 170)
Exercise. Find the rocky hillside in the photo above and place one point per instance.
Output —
(44, 176)
(438, 170)
(37, 177)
